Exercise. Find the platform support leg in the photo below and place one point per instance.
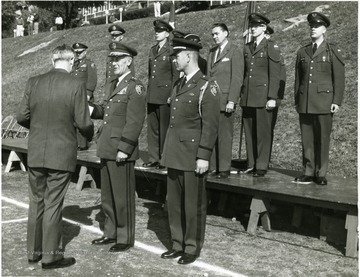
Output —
(352, 236)
(14, 157)
(259, 207)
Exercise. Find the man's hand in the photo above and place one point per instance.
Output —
(201, 166)
(121, 157)
(334, 108)
(270, 104)
(229, 107)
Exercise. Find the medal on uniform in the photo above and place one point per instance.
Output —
(324, 58)
(191, 94)
(164, 58)
(261, 54)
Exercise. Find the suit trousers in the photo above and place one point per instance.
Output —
(258, 127)
(315, 137)
(187, 205)
(222, 154)
(158, 118)
(46, 195)
(118, 200)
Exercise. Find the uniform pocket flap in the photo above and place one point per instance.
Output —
(190, 137)
(261, 84)
(325, 89)
(116, 132)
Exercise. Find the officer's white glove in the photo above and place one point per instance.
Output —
(270, 104)
(334, 108)
(201, 166)
(121, 157)
(229, 107)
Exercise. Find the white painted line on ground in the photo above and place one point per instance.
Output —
(138, 244)
(14, 220)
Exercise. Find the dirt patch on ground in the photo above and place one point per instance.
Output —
(228, 249)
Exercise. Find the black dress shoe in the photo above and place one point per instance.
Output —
(321, 181)
(161, 167)
(304, 179)
(171, 254)
(64, 262)
(103, 241)
(151, 164)
(119, 247)
(249, 170)
(187, 259)
(213, 173)
(36, 260)
(259, 173)
(223, 175)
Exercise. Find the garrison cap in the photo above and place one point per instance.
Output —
(269, 30)
(318, 18)
(178, 34)
(79, 47)
(116, 30)
(161, 25)
(185, 43)
(118, 49)
(258, 18)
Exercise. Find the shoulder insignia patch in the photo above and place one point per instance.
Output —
(139, 89)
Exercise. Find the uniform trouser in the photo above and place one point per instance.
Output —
(44, 231)
(158, 117)
(118, 200)
(36, 28)
(186, 210)
(315, 136)
(222, 152)
(258, 125)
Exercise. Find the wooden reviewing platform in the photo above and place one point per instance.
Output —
(340, 193)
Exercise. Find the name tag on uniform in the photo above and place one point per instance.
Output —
(225, 59)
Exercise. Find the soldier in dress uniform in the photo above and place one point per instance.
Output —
(259, 94)
(123, 113)
(85, 70)
(162, 75)
(319, 88)
(226, 70)
(192, 132)
(117, 34)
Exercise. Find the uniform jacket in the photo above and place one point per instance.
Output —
(262, 74)
(190, 135)
(123, 114)
(227, 72)
(86, 71)
(162, 75)
(319, 79)
(53, 106)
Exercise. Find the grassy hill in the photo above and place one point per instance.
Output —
(139, 33)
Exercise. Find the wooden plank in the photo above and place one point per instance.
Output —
(352, 236)
(15, 157)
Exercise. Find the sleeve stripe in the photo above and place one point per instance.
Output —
(128, 141)
(206, 148)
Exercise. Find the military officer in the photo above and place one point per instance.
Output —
(123, 114)
(187, 150)
(85, 70)
(319, 88)
(226, 70)
(117, 34)
(259, 94)
(162, 75)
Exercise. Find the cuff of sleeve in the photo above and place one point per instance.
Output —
(126, 145)
(204, 153)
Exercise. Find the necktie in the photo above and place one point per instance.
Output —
(158, 49)
(254, 46)
(217, 54)
(314, 48)
(183, 82)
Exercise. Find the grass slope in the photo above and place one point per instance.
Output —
(139, 33)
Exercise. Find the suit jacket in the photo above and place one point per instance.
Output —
(263, 74)
(194, 121)
(162, 75)
(53, 106)
(319, 79)
(123, 114)
(86, 71)
(228, 72)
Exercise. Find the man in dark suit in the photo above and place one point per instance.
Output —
(123, 114)
(226, 70)
(259, 95)
(85, 70)
(53, 107)
(187, 150)
(162, 75)
(319, 88)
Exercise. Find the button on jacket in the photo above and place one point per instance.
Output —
(193, 124)
(262, 74)
(319, 79)
(162, 75)
(123, 114)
